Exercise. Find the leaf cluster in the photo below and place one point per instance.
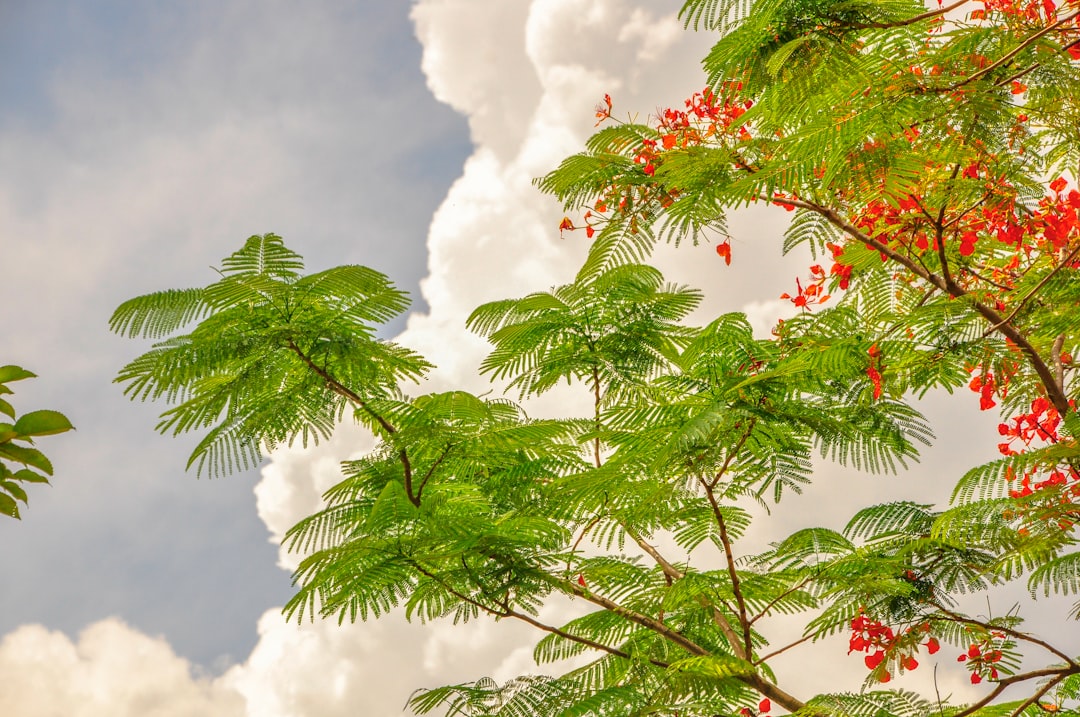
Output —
(20, 461)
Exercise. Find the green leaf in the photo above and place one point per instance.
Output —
(6, 408)
(28, 476)
(14, 490)
(7, 432)
(8, 506)
(14, 373)
(41, 423)
(27, 456)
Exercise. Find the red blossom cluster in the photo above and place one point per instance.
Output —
(874, 370)
(906, 225)
(982, 657)
(812, 293)
(706, 115)
(1030, 10)
(986, 386)
(1041, 423)
(840, 270)
(881, 643)
(764, 707)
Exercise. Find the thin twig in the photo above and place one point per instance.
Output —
(1035, 290)
(1004, 59)
(342, 390)
(911, 20)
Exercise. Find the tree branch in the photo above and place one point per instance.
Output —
(674, 573)
(732, 453)
(1045, 374)
(957, 617)
(1012, 314)
(733, 573)
(342, 390)
(911, 20)
(1004, 59)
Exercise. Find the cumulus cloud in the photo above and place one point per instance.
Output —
(110, 670)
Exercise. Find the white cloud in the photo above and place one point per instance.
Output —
(111, 670)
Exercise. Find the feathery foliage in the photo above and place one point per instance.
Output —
(913, 145)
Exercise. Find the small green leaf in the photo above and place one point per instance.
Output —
(14, 373)
(14, 489)
(7, 432)
(27, 456)
(6, 409)
(8, 506)
(42, 423)
(28, 476)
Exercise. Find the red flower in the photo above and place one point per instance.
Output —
(875, 379)
(874, 659)
(967, 243)
(724, 250)
(1057, 185)
(603, 111)
(764, 706)
(669, 141)
(975, 678)
(1018, 88)
(932, 645)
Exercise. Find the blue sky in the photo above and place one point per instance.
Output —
(364, 155)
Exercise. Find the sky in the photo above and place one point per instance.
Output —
(142, 142)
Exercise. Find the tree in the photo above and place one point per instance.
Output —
(913, 147)
(16, 445)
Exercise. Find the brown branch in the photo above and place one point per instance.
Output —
(732, 453)
(1012, 314)
(1003, 684)
(774, 653)
(929, 15)
(1037, 696)
(1017, 76)
(753, 680)
(506, 611)
(1059, 367)
(576, 638)
(342, 390)
(1046, 376)
(427, 476)
(673, 573)
(644, 620)
(956, 617)
(596, 413)
(1012, 53)
(940, 233)
(764, 611)
(736, 588)
(982, 278)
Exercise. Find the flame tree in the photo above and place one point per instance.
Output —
(928, 155)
